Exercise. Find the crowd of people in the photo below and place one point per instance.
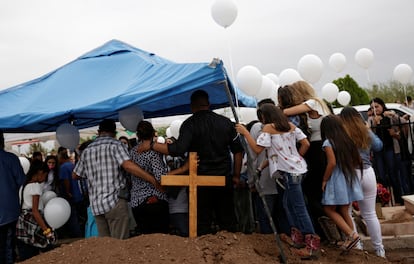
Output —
(284, 172)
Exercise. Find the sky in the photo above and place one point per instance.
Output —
(39, 36)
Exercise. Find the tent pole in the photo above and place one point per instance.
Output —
(233, 109)
(282, 256)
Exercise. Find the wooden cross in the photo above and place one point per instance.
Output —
(192, 180)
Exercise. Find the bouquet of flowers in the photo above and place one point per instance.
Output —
(383, 195)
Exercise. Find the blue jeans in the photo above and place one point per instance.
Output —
(404, 173)
(294, 203)
(7, 239)
(386, 172)
(384, 165)
(262, 217)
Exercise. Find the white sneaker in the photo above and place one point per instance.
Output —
(380, 253)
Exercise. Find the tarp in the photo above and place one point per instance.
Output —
(108, 79)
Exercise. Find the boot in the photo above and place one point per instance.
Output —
(297, 238)
(312, 249)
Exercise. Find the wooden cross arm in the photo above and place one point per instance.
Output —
(192, 180)
(184, 180)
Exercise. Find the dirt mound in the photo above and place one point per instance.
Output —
(222, 247)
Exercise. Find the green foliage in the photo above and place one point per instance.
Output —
(162, 131)
(391, 92)
(83, 139)
(37, 147)
(358, 95)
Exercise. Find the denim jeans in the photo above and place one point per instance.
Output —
(294, 203)
(262, 217)
(7, 239)
(387, 173)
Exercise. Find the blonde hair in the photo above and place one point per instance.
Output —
(303, 91)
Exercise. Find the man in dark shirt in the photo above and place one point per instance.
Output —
(11, 178)
(214, 138)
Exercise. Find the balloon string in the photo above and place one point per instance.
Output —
(368, 78)
(405, 95)
(232, 72)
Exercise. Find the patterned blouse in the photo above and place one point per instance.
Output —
(152, 162)
(282, 151)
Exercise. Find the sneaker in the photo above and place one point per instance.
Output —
(380, 252)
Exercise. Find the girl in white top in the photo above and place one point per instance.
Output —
(32, 190)
(279, 137)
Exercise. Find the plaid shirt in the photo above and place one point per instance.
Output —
(101, 164)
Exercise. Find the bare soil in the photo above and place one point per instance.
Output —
(222, 247)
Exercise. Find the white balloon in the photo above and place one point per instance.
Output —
(224, 12)
(168, 132)
(337, 61)
(175, 128)
(274, 78)
(248, 114)
(25, 164)
(403, 73)
(274, 97)
(266, 90)
(161, 140)
(249, 79)
(344, 98)
(57, 212)
(289, 76)
(130, 117)
(330, 92)
(310, 68)
(364, 57)
(47, 196)
(68, 136)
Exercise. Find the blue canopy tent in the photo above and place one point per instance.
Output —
(108, 79)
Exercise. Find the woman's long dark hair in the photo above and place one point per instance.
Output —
(346, 153)
(380, 102)
(273, 115)
(56, 180)
(285, 97)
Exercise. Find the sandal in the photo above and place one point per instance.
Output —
(351, 241)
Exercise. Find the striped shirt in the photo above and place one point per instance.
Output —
(101, 164)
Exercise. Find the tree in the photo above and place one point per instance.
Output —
(37, 147)
(391, 92)
(358, 95)
(162, 131)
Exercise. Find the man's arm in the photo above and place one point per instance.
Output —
(137, 171)
(146, 145)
